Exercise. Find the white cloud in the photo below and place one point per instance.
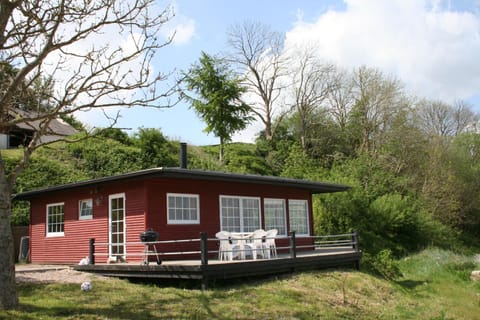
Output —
(433, 50)
(184, 31)
(180, 27)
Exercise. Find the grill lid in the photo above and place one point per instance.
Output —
(148, 236)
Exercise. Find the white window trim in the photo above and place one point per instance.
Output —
(185, 195)
(308, 216)
(284, 213)
(54, 234)
(80, 217)
(241, 207)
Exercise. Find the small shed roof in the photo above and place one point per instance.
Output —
(180, 173)
(57, 128)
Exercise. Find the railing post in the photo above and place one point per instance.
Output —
(204, 248)
(91, 251)
(355, 245)
(293, 245)
(204, 259)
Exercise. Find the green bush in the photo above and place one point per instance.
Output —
(383, 263)
(380, 207)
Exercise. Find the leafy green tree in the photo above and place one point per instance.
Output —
(276, 150)
(155, 149)
(114, 134)
(218, 98)
(464, 161)
(378, 99)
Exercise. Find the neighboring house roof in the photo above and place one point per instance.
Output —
(57, 128)
(179, 173)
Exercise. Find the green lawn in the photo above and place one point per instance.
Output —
(435, 285)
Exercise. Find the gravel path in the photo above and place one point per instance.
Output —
(51, 274)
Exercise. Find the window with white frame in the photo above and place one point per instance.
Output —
(183, 208)
(239, 214)
(274, 212)
(85, 209)
(298, 214)
(55, 219)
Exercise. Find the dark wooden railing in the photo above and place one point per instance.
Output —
(338, 242)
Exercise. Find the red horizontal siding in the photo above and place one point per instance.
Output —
(209, 192)
(145, 208)
(74, 245)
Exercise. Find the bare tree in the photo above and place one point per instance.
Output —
(312, 83)
(258, 50)
(378, 100)
(341, 98)
(438, 118)
(69, 42)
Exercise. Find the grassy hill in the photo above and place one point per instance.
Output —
(435, 285)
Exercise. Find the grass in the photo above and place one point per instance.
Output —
(438, 284)
(435, 285)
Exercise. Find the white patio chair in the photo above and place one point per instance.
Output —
(270, 241)
(225, 250)
(260, 244)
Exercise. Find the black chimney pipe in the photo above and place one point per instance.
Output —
(183, 155)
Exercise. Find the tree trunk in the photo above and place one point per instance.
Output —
(8, 294)
(221, 154)
(268, 131)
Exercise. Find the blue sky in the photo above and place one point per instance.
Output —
(432, 46)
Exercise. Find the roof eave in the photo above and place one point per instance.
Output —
(179, 173)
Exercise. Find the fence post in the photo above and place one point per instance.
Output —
(293, 245)
(91, 251)
(204, 258)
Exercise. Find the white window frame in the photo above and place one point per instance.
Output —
(284, 215)
(307, 215)
(124, 243)
(242, 227)
(85, 217)
(183, 195)
(55, 234)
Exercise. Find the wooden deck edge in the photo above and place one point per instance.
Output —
(226, 270)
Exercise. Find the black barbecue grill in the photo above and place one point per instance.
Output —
(147, 237)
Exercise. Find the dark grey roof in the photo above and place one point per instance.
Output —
(179, 173)
(57, 128)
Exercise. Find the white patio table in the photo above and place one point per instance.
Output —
(242, 240)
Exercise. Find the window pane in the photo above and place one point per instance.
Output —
(298, 211)
(230, 214)
(251, 215)
(55, 219)
(183, 208)
(239, 214)
(86, 208)
(274, 210)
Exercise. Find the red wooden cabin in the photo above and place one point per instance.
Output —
(179, 203)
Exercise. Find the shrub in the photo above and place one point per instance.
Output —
(383, 264)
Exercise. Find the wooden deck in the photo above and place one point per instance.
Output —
(215, 269)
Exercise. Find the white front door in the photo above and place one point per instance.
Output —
(117, 225)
